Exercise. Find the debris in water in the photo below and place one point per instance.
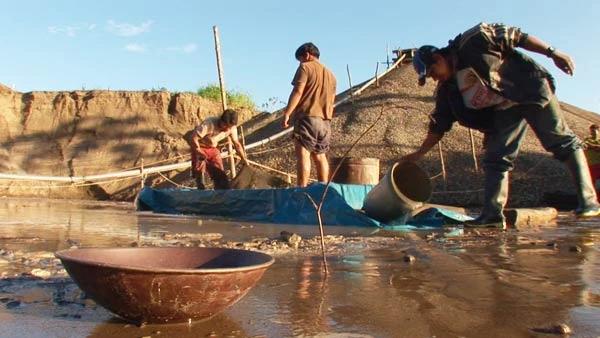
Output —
(291, 239)
(41, 273)
(562, 329)
(410, 258)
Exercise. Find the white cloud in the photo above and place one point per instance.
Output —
(128, 29)
(186, 49)
(135, 47)
(190, 48)
(71, 30)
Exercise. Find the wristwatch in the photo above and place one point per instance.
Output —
(550, 51)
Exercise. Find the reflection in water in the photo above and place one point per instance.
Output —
(589, 269)
(309, 300)
(219, 326)
(489, 285)
(53, 223)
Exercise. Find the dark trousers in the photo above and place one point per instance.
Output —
(502, 144)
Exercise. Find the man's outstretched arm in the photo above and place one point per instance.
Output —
(561, 60)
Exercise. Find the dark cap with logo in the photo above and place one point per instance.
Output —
(422, 60)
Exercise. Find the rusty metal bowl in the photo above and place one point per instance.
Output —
(165, 285)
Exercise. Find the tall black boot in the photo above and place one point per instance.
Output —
(586, 193)
(495, 196)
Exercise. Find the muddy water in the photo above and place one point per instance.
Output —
(474, 284)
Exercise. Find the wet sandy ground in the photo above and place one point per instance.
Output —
(380, 284)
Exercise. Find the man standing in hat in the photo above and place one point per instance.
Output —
(484, 83)
(206, 157)
(310, 107)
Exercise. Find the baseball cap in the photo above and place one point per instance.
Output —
(422, 60)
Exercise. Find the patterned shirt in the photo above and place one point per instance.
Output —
(489, 50)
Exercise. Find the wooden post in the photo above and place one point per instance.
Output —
(349, 80)
(376, 73)
(142, 174)
(242, 140)
(473, 150)
(242, 137)
(223, 94)
(442, 162)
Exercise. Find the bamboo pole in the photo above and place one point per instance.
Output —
(473, 152)
(223, 94)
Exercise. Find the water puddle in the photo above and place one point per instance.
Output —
(420, 284)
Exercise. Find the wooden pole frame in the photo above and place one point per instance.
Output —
(473, 152)
(350, 81)
(223, 94)
(441, 153)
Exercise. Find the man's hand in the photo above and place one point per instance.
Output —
(285, 122)
(200, 153)
(563, 62)
(293, 101)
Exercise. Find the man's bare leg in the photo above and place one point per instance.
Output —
(302, 165)
(322, 166)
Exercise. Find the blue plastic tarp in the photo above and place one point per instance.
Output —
(286, 206)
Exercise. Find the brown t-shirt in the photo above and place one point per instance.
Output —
(319, 90)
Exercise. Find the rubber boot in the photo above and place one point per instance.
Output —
(586, 193)
(200, 181)
(495, 196)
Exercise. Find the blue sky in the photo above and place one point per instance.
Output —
(144, 45)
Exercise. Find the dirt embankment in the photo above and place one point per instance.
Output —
(82, 133)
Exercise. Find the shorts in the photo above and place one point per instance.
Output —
(314, 133)
(212, 158)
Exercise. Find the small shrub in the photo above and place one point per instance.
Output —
(234, 98)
